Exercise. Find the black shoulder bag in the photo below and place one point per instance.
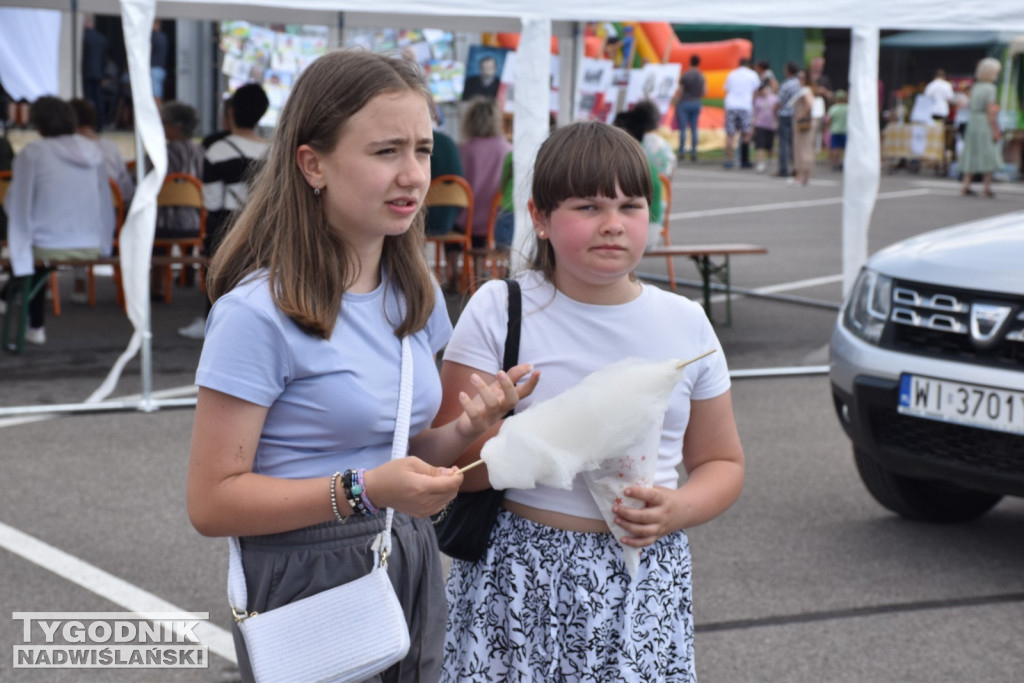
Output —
(464, 526)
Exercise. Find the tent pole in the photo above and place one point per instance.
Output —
(146, 349)
(75, 70)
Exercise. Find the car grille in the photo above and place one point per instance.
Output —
(936, 321)
(979, 449)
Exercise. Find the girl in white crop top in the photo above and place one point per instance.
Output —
(552, 599)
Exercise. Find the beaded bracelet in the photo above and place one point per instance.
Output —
(334, 498)
(355, 492)
(363, 497)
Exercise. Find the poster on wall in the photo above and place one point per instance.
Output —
(445, 78)
(596, 75)
(274, 59)
(506, 93)
(432, 49)
(655, 82)
(485, 68)
(595, 90)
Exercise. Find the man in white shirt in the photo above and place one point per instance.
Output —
(740, 86)
(940, 92)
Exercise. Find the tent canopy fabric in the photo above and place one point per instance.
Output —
(993, 15)
(948, 39)
(29, 47)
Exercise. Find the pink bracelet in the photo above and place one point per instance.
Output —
(370, 507)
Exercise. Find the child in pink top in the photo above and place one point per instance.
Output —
(765, 124)
(483, 153)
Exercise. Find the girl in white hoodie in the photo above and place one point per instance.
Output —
(58, 204)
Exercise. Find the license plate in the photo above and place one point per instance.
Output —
(967, 404)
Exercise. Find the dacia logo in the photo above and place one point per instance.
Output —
(987, 321)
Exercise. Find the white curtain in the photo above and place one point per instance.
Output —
(862, 170)
(532, 104)
(136, 241)
(29, 52)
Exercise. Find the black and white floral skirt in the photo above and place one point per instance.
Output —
(550, 605)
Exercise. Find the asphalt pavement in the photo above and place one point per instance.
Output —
(805, 579)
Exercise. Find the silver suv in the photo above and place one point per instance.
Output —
(927, 370)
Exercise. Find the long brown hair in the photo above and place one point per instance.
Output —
(585, 159)
(283, 227)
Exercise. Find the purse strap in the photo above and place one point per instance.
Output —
(238, 596)
(399, 446)
(515, 318)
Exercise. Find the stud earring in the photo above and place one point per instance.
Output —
(316, 191)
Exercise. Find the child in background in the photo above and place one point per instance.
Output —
(836, 119)
(766, 122)
(505, 224)
(658, 150)
(636, 122)
(482, 155)
(551, 599)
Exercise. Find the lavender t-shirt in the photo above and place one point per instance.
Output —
(332, 403)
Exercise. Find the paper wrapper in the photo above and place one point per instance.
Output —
(607, 483)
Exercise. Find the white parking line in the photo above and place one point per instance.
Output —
(800, 284)
(953, 186)
(780, 206)
(784, 287)
(108, 586)
(744, 179)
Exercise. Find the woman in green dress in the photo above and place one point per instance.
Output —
(981, 142)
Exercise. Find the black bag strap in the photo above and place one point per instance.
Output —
(515, 317)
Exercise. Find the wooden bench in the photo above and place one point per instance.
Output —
(702, 255)
(30, 285)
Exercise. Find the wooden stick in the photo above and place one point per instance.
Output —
(470, 466)
(697, 358)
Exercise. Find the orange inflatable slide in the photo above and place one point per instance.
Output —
(591, 47)
(657, 42)
(721, 54)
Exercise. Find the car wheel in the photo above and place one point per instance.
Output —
(920, 499)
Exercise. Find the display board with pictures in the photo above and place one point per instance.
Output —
(432, 49)
(252, 53)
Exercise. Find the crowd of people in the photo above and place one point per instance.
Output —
(790, 121)
(796, 120)
(58, 204)
(803, 114)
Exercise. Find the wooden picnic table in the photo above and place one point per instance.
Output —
(703, 255)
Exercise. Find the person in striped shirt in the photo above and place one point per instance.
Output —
(230, 163)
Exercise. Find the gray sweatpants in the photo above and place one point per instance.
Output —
(282, 568)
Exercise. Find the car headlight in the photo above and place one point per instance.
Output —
(867, 309)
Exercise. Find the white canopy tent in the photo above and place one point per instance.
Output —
(537, 21)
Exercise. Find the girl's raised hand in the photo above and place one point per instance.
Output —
(494, 400)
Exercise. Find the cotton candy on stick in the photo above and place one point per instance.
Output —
(609, 413)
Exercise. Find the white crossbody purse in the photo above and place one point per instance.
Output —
(311, 639)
